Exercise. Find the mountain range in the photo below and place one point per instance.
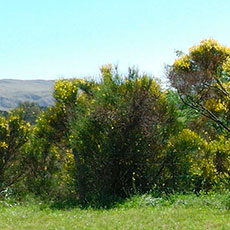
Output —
(12, 92)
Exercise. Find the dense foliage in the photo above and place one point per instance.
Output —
(120, 135)
(14, 133)
(124, 134)
(202, 80)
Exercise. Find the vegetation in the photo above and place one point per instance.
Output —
(202, 80)
(30, 111)
(140, 212)
(14, 134)
(126, 131)
(104, 141)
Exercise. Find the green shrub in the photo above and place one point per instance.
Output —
(14, 133)
(119, 136)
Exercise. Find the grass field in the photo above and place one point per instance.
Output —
(140, 212)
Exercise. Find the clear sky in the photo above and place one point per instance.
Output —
(51, 39)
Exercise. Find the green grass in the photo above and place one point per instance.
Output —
(140, 212)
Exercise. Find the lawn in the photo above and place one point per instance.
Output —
(141, 212)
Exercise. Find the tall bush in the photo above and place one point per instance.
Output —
(120, 135)
(14, 133)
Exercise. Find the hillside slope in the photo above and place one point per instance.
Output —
(14, 91)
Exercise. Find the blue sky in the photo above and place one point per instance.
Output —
(51, 39)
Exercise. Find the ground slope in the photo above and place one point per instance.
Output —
(14, 91)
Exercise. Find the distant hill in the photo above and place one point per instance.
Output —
(14, 91)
